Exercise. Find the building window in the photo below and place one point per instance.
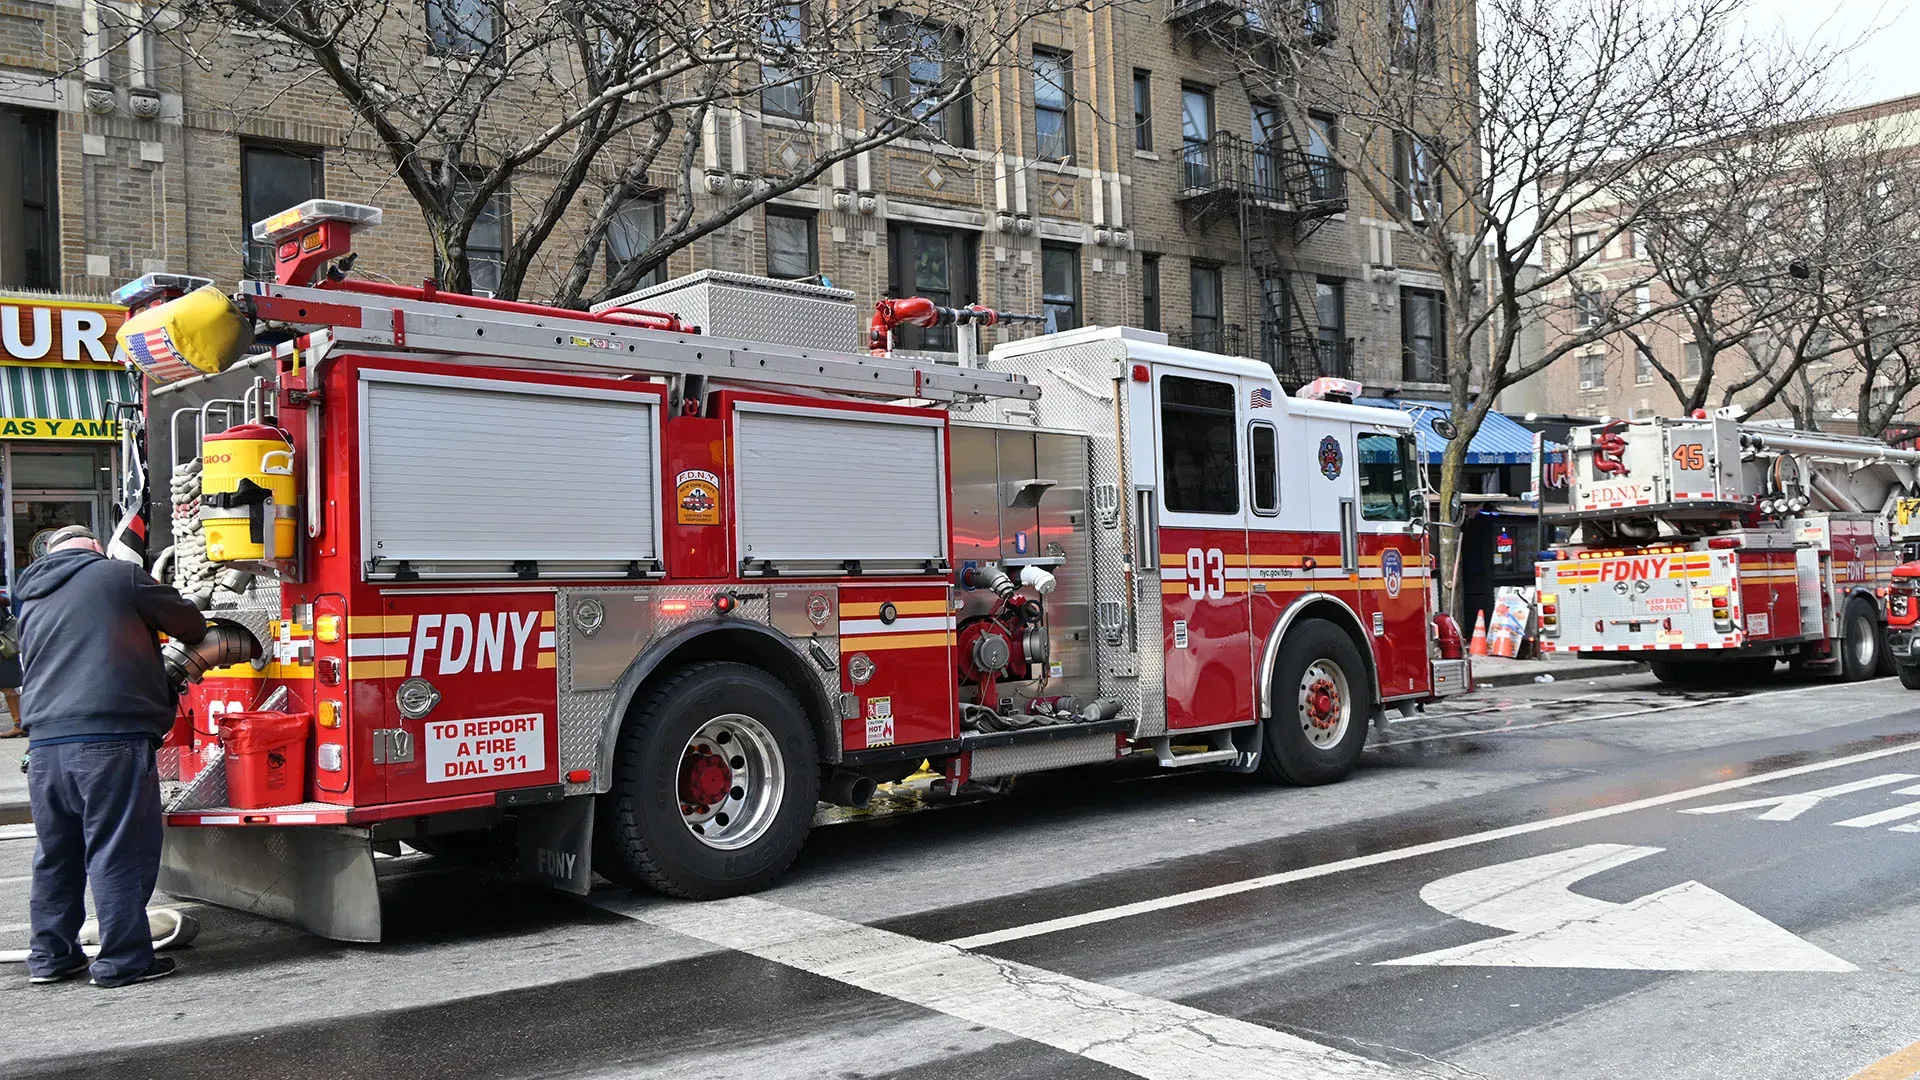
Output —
(1642, 299)
(1200, 459)
(793, 250)
(1330, 312)
(1150, 292)
(1690, 363)
(783, 90)
(1593, 371)
(1386, 484)
(1053, 105)
(1587, 310)
(1423, 335)
(1266, 468)
(1204, 289)
(1584, 243)
(928, 71)
(1317, 20)
(487, 240)
(635, 225)
(29, 212)
(1060, 284)
(460, 28)
(1196, 136)
(1416, 180)
(272, 179)
(938, 264)
(1642, 367)
(1142, 110)
(1414, 47)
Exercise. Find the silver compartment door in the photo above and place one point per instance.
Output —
(829, 486)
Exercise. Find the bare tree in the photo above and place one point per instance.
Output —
(1490, 134)
(1792, 255)
(612, 124)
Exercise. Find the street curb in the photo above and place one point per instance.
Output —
(1524, 678)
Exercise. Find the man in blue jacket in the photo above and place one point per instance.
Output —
(95, 704)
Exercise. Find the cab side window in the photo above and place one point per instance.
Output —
(1199, 451)
(1386, 478)
(1265, 445)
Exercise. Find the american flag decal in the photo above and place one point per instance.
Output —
(1262, 398)
(153, 351)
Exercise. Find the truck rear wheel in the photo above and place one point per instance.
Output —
(716, 773)
(1322, 699)
(1861, 642)
(1909, 674)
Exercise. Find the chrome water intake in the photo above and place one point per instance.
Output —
(227, 643)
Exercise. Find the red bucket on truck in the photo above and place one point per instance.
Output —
(266, 758)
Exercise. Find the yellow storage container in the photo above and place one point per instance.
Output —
(247, 496)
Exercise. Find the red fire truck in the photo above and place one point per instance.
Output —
(1710, 547)
(640, 597)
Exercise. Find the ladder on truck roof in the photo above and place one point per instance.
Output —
(584, 341)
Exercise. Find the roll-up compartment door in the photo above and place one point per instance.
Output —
(458, 471)
(823, 486)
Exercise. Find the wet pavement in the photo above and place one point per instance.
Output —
(1516, 885)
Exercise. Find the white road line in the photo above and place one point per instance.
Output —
(1161, 1040)
(1585, 719)
(1305, 873)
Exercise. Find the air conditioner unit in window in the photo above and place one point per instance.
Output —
(1586, 384)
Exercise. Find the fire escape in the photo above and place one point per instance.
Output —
(1275, 193)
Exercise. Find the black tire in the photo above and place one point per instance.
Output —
(1287, 753)
(643, 837)
(1860, 632)
(1909, 675)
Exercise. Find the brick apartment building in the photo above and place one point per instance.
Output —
(1613, 378)
(1121, 175)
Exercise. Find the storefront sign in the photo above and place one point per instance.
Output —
(36, 331)
(38, 428)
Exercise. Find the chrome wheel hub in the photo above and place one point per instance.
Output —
(732, 778)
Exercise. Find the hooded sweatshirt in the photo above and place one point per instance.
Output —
(89, 641)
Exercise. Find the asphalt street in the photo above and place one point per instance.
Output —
(1593, 878)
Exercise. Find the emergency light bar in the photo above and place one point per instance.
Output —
(288, 223)
(308, 236)
(1329, 388)
(144, 290)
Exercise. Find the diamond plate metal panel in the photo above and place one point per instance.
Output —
(756, 309)
(997, 761)
(586, 718)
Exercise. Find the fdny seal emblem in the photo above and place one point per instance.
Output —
(1330, 458)
(1391, 570)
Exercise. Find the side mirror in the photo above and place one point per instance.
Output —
(1443, 427)
(1455, 507)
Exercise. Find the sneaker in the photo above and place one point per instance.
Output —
(162, 967)
(78, 966)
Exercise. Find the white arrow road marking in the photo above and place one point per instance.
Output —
(1145, 1036)
(1788, 807)
(1906, 810)
(1688, 927)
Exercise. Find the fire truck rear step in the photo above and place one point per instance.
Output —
(1220, 742)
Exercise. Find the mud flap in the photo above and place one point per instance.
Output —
(556, 844)
(318, 878)
(1247, 742)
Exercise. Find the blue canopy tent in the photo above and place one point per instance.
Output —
(1499, 441)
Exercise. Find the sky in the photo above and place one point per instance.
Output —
(1886, 63)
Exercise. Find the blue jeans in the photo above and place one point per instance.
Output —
(96, 813)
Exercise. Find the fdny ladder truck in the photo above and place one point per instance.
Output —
(1712, 548)
(639, 598)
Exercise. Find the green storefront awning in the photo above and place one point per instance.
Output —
(61, 401)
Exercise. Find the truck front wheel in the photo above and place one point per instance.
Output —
(1860, 641)
(715, 778)
(1909, 674)
(1322, 701)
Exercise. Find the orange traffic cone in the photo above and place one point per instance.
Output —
(1479, 644)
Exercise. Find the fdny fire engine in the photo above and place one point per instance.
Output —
(640, 597)
(1709, 547)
